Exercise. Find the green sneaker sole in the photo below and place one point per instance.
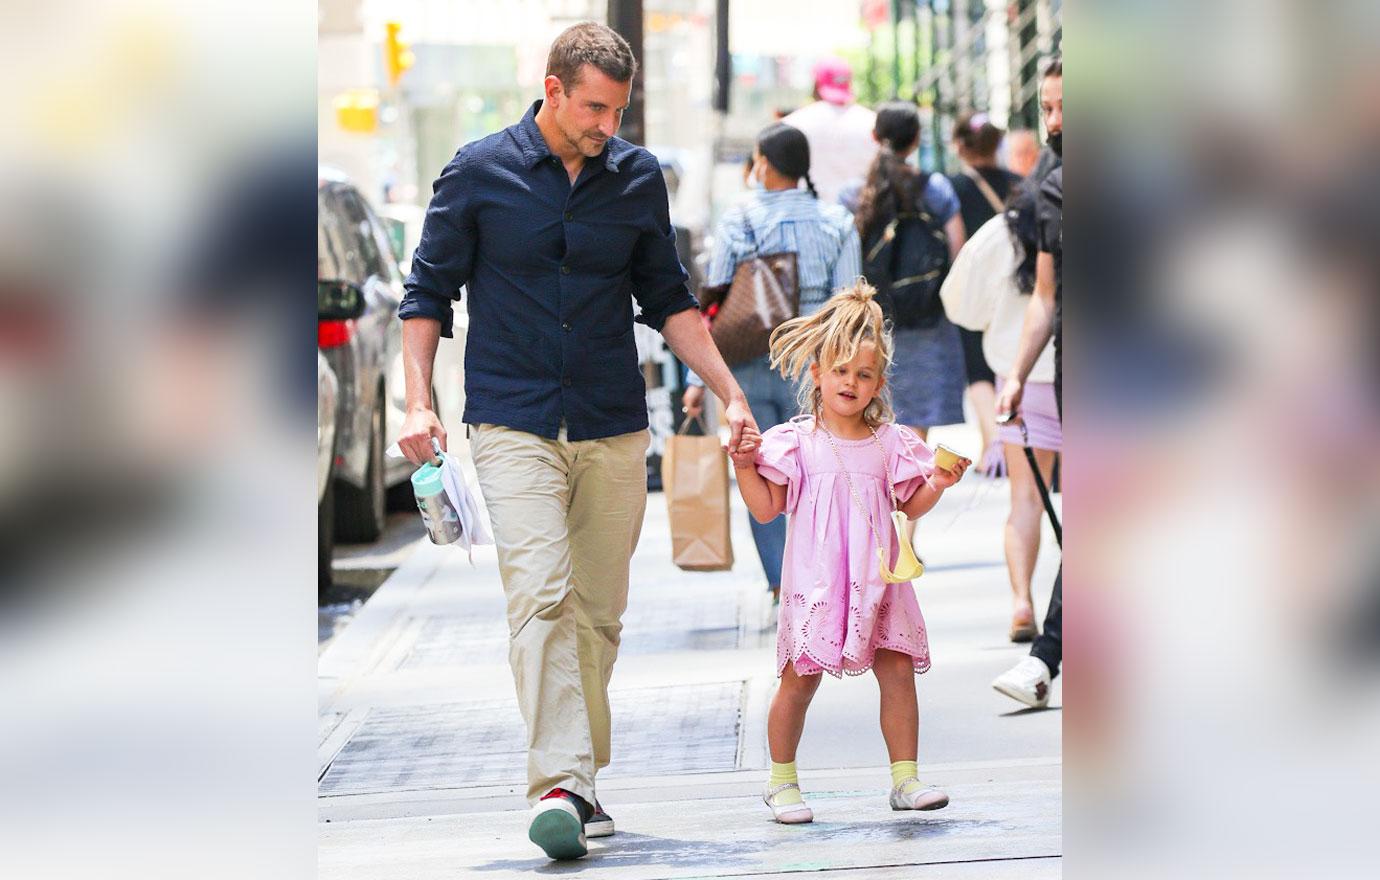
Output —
(559, 834)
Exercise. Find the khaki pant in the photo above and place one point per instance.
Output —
(566, 517)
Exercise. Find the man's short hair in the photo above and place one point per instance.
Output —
(1054, 67)
(590, 43)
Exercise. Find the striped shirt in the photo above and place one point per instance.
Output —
(822, 236)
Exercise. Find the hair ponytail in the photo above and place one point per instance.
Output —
(810, 184)
(830, 337)
(892, 186)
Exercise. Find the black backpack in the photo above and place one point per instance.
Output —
(907, 262)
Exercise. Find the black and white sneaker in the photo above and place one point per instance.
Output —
(600, 824)
(557, 825)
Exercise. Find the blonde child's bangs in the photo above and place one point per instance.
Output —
(843, 344)
(832, 337)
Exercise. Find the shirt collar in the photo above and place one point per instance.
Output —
(534, 148)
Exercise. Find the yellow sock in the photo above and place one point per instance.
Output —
(781, 774)
(902, 770)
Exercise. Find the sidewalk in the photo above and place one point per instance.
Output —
(421, 765)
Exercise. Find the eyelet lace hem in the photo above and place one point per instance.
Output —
(858, 665)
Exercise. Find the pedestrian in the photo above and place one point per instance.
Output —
(929, 378)
(988, 290)
(982, 187)
(1029, 680)
(1052, 112)
(841, 471)
(555, 226)
(777, 216)
(838, 128)
(1022, 151)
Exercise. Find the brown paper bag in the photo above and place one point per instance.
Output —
(694, 476)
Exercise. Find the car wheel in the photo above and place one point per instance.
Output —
(360, 513)
(325, 539)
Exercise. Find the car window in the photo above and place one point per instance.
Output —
(339, 256)
(361, 231)
(388, 268)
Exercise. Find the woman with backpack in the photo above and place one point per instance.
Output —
(911, 229)
(982, 186)
(779, 216)
(988, 292)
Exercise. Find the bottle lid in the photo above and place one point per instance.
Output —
(427, 481)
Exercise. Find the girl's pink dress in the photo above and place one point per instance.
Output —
(836, 610)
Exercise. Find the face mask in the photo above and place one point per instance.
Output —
(1056, 143)
(755, 183)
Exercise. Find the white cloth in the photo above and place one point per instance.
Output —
(841, 144)
(980, 294)
(473, 531)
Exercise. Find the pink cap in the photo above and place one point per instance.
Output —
(834, 81)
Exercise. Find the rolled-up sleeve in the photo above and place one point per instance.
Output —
(445, 255)
(658, 278)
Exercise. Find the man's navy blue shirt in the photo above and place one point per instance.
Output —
(552, 271)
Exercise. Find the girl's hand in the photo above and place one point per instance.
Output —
(746, 456)
(942, 479)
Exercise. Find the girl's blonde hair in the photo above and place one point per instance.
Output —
(832, 337)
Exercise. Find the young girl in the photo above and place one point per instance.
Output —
(840, 473)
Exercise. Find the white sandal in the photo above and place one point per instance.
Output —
(788, 814)
(920, 799)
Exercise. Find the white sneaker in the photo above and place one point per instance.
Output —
(1026, 682)
(919, 799)
(787, 814)
(556, 828)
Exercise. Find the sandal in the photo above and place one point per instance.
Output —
(788, 814)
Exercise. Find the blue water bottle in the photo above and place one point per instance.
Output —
(440, 517)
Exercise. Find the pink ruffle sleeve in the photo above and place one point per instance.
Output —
(778, 460)
(911, 464)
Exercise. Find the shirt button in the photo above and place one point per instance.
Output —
(565, 270)
(569, 216)
(565, 382)
(566, 327)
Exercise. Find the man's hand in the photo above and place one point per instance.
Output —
(739, 418)
(693, 401)
(1010, 398)
(418, 428)
(746, 454)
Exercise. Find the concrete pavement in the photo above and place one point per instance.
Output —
(421, 763)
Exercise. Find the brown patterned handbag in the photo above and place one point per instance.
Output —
(764, 293)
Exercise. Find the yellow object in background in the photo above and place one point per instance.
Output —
(396, 54)
(357, 110)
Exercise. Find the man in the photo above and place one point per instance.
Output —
(1029, 680)
(1052, 112)
(556, 226)
(839, 131)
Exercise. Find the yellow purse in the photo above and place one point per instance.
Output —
(908, 565)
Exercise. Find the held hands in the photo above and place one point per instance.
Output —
(746, 454)
(739, 421)
(942, 479)
(417, 430)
